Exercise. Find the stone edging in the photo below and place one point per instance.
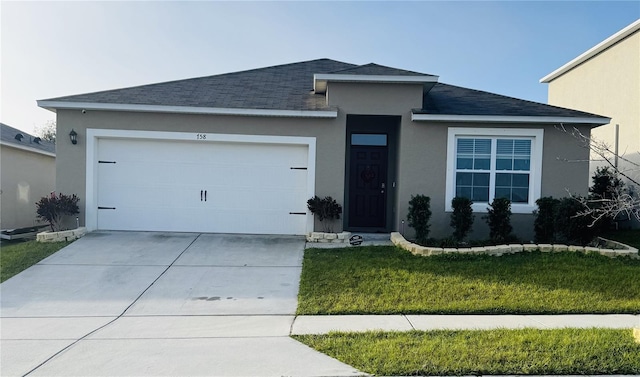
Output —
(322, 237)
(62, 236)
(623, 250)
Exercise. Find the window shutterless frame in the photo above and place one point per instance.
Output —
(483, 163)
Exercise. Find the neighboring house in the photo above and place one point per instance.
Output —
(242, 152)
(606, 80)
(28, 172)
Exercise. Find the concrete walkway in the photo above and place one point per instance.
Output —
(358, 323)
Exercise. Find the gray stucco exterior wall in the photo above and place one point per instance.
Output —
(421, 153)
(71, 169)
(422, 170)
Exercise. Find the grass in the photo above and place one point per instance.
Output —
(387, 280)
(475, 352)
(18, 256)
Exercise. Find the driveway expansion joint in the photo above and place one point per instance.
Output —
(116, 318)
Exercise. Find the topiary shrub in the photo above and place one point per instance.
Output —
(606, 190)
(606, 184)
(571, 226)
(462, 217)
(499, 220)
(54, 208)
(544, 225)
(326, 209)
(419, 216)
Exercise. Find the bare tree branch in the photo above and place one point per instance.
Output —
(619, 201)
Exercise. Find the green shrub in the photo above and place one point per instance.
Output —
(419, 216)
(54, 208)
(571, 226)
(606, 189)
(544, 225)
(499, 220)
(326, 209)
(462, 217)
(605, 184)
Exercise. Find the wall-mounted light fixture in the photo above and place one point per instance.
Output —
(73, 135)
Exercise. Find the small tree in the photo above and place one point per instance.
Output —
(606, 188)
(54, 208)
(326, 209)
(499, 220)
(47, 131)
(419, 216)
(606, 184)
(572, 227)
(462, 217)
(619, 201)
(544, 225)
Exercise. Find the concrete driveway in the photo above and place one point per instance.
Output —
(151, 304)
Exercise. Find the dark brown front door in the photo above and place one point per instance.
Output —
(368, 186)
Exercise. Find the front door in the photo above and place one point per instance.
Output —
(368, 181)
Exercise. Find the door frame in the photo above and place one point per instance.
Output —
(374, 124)
(91, 162)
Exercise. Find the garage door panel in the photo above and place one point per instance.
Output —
(156, 185)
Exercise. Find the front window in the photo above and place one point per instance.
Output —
(495, 163)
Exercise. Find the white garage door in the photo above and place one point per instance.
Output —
(184, 186)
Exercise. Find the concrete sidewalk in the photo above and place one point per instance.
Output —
(357, 323)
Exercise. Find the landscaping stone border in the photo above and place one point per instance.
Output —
(611, 249)
(322, 237)
(62, 236)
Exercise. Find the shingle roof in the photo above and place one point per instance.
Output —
(279, 87)
(455, 100)
(290, 87)
(376, 69)
(8, 136)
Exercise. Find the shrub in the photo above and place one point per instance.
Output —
(571, 227)
(499, 220)
(326, 209)
(54, 208)
(544, 225)
(607, 189)
(462, 217)
(606, 184)
(419, 216)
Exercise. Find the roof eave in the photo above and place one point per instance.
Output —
(595, 50)
(54, 105)
(27, 148)
(595, 121)
(320, 80)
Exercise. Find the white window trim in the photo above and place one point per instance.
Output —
(535, 177)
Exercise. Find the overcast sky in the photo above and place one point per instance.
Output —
(52, 49)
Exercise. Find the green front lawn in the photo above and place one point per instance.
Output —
(475, 352)
(387, 280)
(18, 256)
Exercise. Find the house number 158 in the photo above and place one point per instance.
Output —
(201, 136)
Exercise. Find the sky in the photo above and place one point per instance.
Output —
(53, 49)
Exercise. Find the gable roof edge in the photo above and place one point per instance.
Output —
(595, 50)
